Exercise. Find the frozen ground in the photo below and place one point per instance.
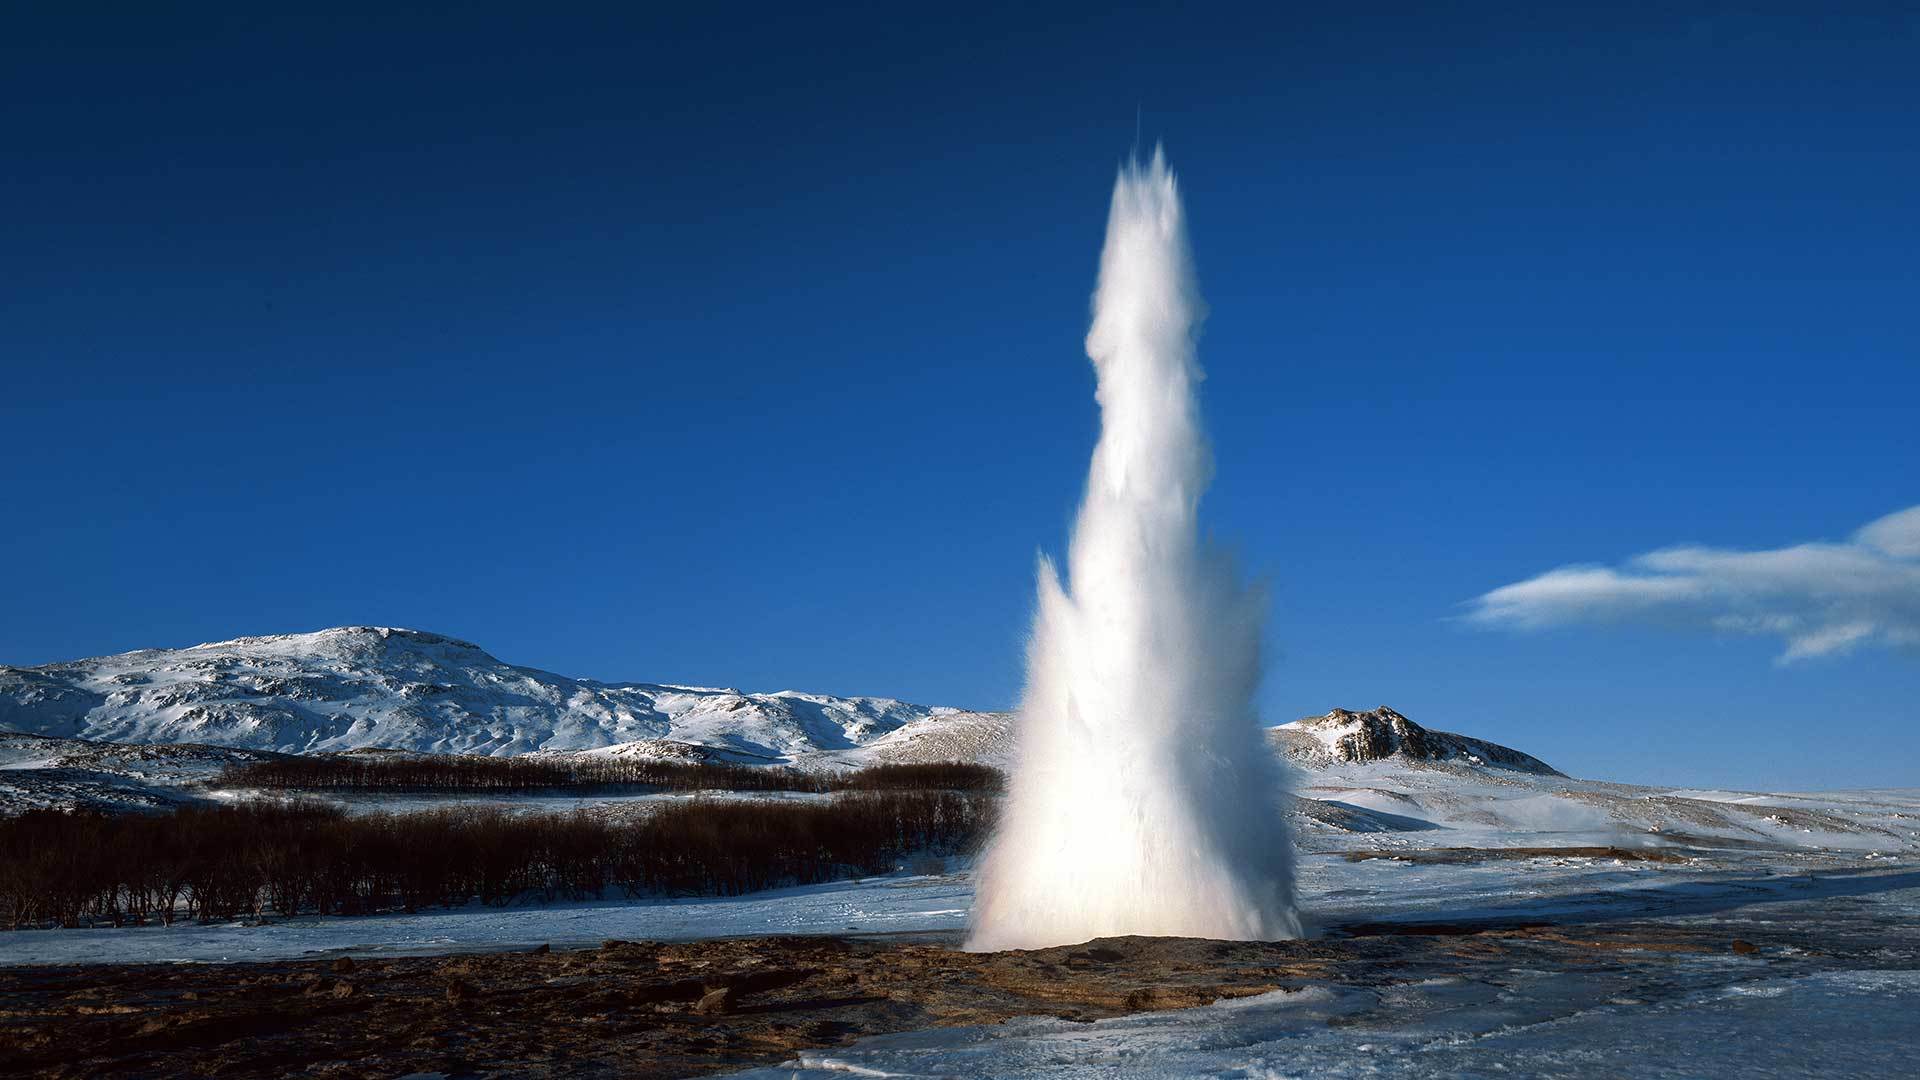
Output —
(1828, 884)
(876, 905)
(1840, 997)
(1833, 989)
(1710, 1023)
(1337, 892)
(1722, 847)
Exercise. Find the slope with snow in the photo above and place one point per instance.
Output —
(1456, 804)
(41, 772)
(359, 686)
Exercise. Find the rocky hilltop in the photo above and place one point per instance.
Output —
(1381, 734)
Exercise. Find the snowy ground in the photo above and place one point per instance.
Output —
(875, 905)
(1731, 845)
(1842, 1023)
(1335, 891)
(1849, 1006)
(1839, 873)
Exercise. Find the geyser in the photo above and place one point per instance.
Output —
(1144, 799)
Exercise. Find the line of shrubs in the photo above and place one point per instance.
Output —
(220, 863)
(431, 773)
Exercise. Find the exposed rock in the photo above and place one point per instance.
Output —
(1345, 735)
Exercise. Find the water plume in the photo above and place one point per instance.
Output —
(1144, 799)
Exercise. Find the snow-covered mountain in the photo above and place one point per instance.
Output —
(357, 687)
(154, 728)
(365, 686)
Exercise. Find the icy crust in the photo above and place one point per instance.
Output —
(363, 686)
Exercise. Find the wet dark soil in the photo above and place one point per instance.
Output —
(648, 1009)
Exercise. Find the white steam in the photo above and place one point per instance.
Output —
(1145, 799)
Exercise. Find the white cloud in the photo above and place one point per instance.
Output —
(1896, 534)
(1820, 598)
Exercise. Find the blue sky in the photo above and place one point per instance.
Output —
(744, 347)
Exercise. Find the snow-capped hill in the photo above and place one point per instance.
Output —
(985, 738)
(361, 642)
(365, 686)
(1344, 735)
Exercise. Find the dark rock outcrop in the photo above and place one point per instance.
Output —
(1345, 735)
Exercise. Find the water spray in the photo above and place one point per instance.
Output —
(1144, 799)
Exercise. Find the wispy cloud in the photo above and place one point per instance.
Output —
(1820, 598)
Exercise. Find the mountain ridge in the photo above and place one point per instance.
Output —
(353, 687)
(377, 687)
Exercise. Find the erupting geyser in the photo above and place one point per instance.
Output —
(1144, 799)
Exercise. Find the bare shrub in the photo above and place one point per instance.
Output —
(472, 773)
(251, 860)
(928, 776)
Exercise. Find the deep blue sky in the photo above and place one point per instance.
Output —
(744, 347)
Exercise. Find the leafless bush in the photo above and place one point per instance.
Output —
(85, 869)
(435, 773)
(432, 773)
(929, 776)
